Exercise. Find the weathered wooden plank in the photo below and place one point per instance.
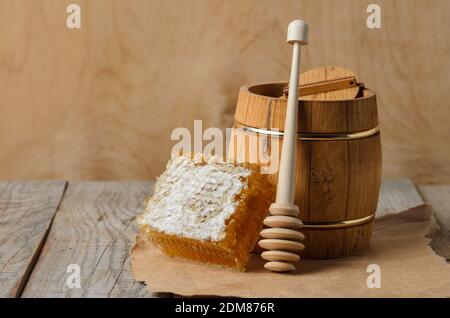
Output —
(438, 196)
(400, 196)
(94, 229)
(26, 213)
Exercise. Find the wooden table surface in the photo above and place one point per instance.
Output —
(45, 226)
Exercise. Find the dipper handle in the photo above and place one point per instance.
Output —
(297, 35)
(282, 248)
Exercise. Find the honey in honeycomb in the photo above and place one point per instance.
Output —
(208, 211)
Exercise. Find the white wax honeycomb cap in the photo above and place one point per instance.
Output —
(298, 32)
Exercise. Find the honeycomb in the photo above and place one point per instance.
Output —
(208, 211)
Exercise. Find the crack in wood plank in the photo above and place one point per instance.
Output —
(27, 210)
(35, 257)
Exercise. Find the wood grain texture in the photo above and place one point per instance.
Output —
(94, 228)
(95, 103)
(26, 212)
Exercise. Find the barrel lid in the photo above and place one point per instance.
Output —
(328, 83)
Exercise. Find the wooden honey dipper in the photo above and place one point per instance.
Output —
(281, 239)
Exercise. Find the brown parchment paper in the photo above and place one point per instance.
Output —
(409, 268)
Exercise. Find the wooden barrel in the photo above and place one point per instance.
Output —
(338, 170)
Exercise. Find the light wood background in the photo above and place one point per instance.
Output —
(101, 102)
